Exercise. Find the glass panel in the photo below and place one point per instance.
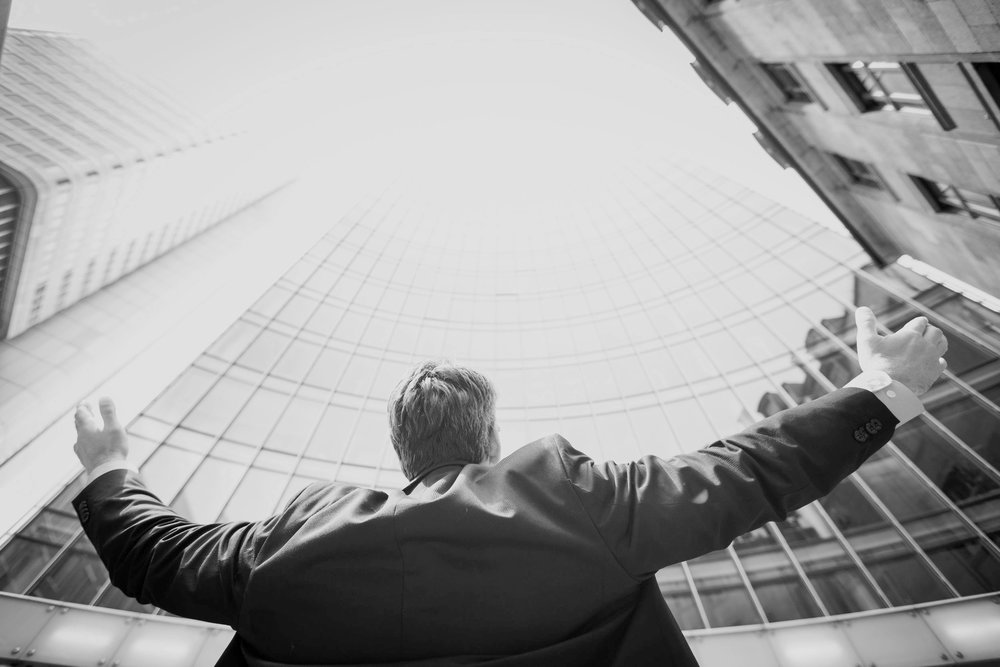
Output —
(112, 598)
(938, 531)
(968, 419)
(166, 470)
(899, 572)
(219, 407)
(330, 438)
(837, 580)
(295, 426)
(721, 590)
(370, 439)
(232, 344)
(258, 417)
(297, 360)
(778, 587)
(24, 557)
(256, 497)
(264, 350)
(328, 368)
(207, 491)
(678, 595)
(173, 404)
(76, 577)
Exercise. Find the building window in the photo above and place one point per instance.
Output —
(990, 75)
(879, 85)
(788, 80)
(952, 199)
(860, 173)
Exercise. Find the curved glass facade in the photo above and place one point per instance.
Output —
(665, 310)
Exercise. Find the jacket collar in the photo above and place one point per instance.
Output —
(428, 470)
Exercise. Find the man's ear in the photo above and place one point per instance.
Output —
(494, 454)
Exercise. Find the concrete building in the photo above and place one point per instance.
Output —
(100, 173)
(890, 110)
(668, 308)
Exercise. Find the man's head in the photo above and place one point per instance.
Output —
(443, 412)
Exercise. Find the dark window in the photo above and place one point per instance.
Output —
(952, 199)
(860, 173)
(990, 74)
(878, 85)
(788, 80)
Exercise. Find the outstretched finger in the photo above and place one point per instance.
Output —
(109, 413)
(867, 328)
(917, 325)
(84, 417)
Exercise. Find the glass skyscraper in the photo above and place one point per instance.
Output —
(100, 173)
(666, 308)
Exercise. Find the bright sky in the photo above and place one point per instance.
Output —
(521, 94)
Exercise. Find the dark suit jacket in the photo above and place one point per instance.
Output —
(546, 558)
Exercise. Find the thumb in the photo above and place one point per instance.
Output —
(109, 413)
(867, 329)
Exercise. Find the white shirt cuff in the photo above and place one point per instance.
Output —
(108, 467)
(902, 402)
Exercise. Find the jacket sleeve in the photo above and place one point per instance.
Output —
(158, 557)
(655, 512)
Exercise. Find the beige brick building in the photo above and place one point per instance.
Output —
(890, 109)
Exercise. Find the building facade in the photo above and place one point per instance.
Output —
(666, 310)
(890, 110)
(100, 173)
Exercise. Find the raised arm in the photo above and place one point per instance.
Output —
(654, 512)
(151, 553)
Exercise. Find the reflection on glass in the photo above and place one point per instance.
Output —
(835, 577)
(255, 497)
(207, 491)
(726, 599)
(77, 576)
(113, 598)
(779, 589)
(27, 554)
(905, 578)
(969, 567)
(678, 595)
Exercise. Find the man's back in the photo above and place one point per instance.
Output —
(468, 560)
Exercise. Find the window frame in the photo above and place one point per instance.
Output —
(772, 69)
(871, 182)
(948, 198)
(846, 74)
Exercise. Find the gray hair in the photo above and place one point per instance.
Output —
(441, 412)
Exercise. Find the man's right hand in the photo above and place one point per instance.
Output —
(911, 356)
(98, 444)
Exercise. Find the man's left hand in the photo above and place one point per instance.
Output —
(95, 445)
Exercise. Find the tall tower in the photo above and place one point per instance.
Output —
(100, 174)
(662, 308)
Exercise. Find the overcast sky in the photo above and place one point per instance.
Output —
(512, 90)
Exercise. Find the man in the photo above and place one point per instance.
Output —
(542, 558)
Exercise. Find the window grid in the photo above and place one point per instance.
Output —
(823, 380)
(739, 565)
(837, 341)
(597, 327)
(858, 563)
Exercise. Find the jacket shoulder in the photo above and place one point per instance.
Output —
(552, 454)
